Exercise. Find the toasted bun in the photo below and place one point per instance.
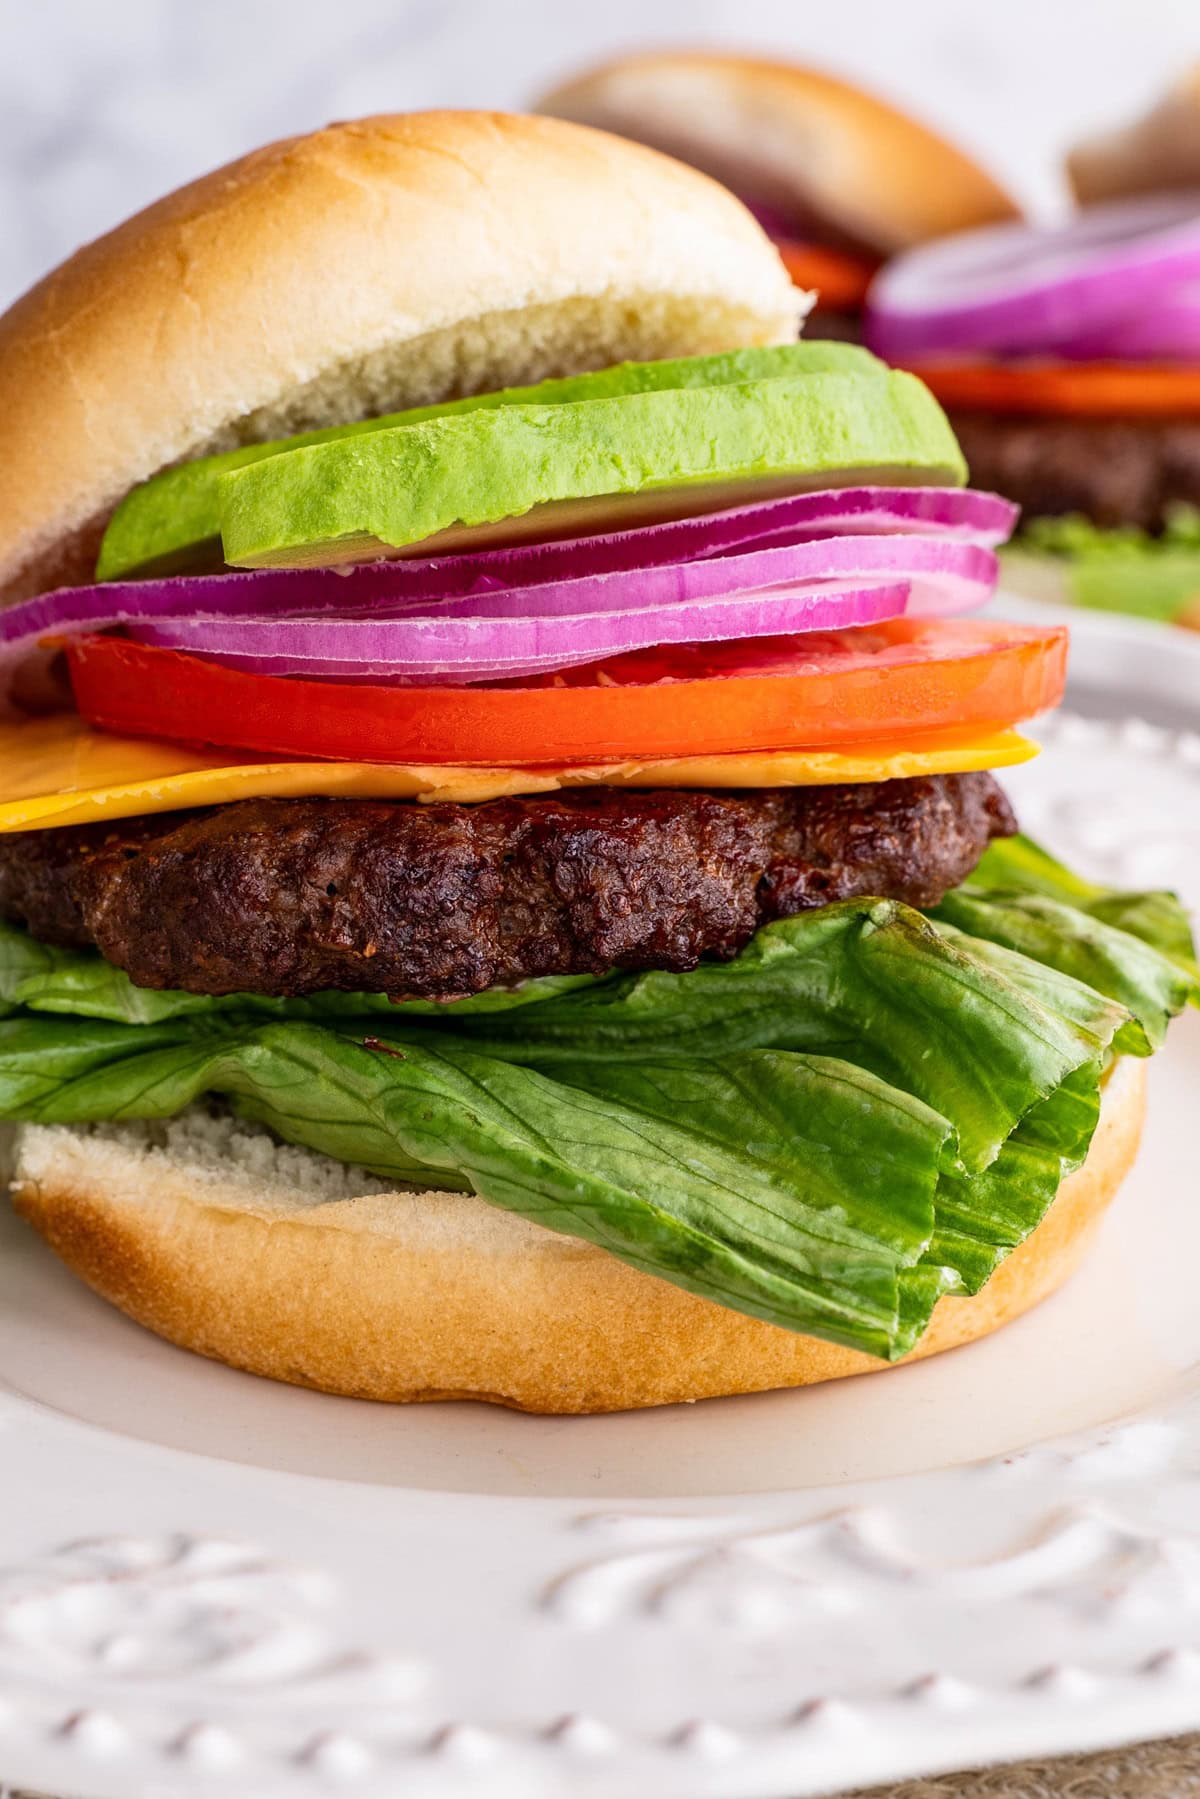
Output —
(289, 1265)
(1158, 151)
(802, 142)
(390, 262)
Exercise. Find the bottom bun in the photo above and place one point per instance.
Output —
(290, 1265)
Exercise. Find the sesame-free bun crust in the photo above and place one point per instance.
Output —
(792, 138)
(373, 265)
(273, 1260)
(1153, 154)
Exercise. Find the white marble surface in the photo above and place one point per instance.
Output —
(106, 103)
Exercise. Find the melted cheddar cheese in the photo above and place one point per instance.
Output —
(59, 771)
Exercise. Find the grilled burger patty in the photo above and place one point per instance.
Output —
(285, 897)
(1116, 472)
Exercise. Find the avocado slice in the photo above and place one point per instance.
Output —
(172, 520)
(495, 476)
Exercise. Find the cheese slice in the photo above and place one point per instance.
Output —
(59, 771)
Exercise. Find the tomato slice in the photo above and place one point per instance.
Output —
(1069, 389)
(804, 692)
(841, 280)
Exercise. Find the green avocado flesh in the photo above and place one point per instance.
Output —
(866, 1109)
(175, 518)
(686, 450)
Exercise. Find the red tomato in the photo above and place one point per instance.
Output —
(1036, 389)
(841, 280)
(804, 692)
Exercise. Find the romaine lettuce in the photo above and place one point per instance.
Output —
(1120, 569)
(864, 1110)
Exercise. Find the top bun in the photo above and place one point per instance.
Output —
(1161, 150)
(799, 141)
(385, 263)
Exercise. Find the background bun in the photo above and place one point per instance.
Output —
(292, 1266)
(794, 139)
(1155, 153)
(389, 262)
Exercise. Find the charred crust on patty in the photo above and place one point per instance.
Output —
(1113, 471)
(289, 897)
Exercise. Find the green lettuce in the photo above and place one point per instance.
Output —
(863, 1111)
(47, 979)
(1117, 569)
(1155, 917)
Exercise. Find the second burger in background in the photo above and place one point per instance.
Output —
(1069, 361)
(840, 179)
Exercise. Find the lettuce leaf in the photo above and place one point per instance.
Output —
(1097, 956)
(1122, 568)
(49, 979)
(863, 1111)
(981, 1217)
(1156, 917)
(788, 1187)
(871, 982)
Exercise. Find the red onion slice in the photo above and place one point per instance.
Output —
(960, 522)
(437, 649)
(775, 220)
(1021, 289)
(1168, 331)
(945, 576)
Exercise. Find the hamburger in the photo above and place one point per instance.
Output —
(1069, 360)
(504, 891)
(840, 179)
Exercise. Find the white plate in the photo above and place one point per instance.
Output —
(213, 1584)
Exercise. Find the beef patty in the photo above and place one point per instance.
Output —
(1116, 472)
(288, 897)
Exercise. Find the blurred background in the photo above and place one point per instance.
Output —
(103, 106)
